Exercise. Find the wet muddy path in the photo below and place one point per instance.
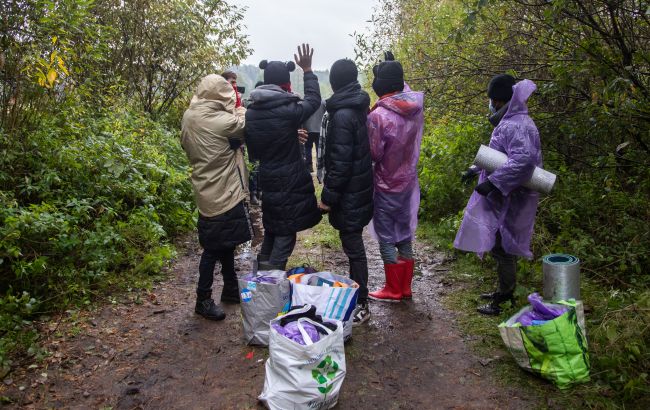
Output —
(155, 353)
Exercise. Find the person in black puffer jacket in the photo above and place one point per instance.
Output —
(348, 181)
(272, 121)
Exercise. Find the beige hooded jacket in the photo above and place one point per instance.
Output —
(218, 172)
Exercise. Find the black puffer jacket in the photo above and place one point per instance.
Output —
(224, 232)
(272, 122)
(348, 180)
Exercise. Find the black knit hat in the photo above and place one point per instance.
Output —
(389, 76)
(277, 72)
(342, 73)
(500, 87)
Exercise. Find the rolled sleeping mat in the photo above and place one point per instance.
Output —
(490, 159)
(561, 277)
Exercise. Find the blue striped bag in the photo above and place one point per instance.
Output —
(334, 296)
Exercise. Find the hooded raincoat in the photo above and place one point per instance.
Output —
(218, 171)
(511, 208)
(395, 127)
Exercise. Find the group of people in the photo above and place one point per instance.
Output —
(367, 163)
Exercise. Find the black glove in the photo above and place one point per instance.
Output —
(234, 143)
(485, 187)
(467, 176)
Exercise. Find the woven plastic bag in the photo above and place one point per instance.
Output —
(263, 296)
(304, 377)
(555, 349)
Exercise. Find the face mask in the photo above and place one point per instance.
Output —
(492, 109)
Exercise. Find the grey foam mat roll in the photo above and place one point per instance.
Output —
(490, 159)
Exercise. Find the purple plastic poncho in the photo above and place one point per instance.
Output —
(512, 210)
(395, 127)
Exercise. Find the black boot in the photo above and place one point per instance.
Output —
(206, 307)
(494, 308)
(488, 296)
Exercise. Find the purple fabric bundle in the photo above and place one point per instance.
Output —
(272, 277)
(291, 331)
(540, 313)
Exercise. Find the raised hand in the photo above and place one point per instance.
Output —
(303, 58)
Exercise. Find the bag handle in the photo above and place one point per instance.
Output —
(303, 332)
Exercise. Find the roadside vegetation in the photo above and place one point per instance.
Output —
(591, 63)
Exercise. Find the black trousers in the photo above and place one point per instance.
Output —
(506, 268)
(355, 250)
(206, 270)
(277, 249)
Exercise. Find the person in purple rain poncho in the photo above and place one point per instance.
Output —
(395, 126)
(500, 214)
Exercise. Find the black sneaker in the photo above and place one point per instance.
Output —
(361, 314)
(491, 309)
(209, 310)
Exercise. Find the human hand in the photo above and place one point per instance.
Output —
(485, 187)
(302, 135)
(303, 59)
(468, 175)
(323, 208)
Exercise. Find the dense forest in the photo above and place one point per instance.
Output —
(591, 63)
(94, 185)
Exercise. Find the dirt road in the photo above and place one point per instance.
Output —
(155, 353)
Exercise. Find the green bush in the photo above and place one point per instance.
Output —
(448, 149)
(85, 200)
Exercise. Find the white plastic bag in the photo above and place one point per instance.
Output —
(304, 377)
(336, 303)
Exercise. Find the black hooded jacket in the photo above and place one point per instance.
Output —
(272, 122)
(348, 184)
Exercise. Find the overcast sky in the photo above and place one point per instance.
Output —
(275, 27)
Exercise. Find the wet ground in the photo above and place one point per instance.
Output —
(155, 353)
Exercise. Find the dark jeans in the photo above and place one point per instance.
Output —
(206, 269)
(277, 249)
(312, 141)
(390, 251)
(356, 251)
(253, 178)
(506, 268)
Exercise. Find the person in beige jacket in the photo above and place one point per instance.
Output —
(212, 132)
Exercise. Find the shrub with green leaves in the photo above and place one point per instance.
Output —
(91, 199)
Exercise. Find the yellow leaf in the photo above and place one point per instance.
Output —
(51, 76)
(53, 56)
(54, 39)
(62, 66)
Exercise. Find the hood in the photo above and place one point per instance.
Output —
(269, 96)
(521, 92)
(214, 89)
(349, 96)
(408, 103)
